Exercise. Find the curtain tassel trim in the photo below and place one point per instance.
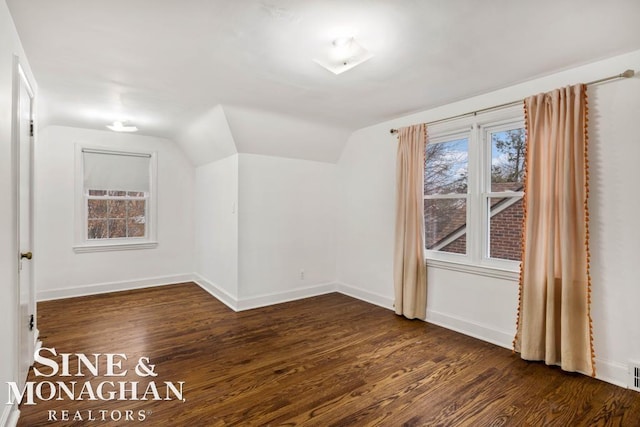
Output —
(587, 236)
(524, 222)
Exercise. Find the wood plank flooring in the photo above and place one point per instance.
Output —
(330, 360)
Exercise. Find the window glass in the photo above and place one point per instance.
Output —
(507, 160)
(505, 227)
(446, 224)
(116, 214)
(446, 167)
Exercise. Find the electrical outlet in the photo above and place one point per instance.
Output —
(301, 274)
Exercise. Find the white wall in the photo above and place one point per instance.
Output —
(60, 271)
(9, 46)
(208, 138)
(486, 307)
(614, 110)
(287, 211)
(217, 226)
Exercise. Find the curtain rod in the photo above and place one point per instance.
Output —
(624, 75)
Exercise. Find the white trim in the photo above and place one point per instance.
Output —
(611, 372)
(10, 415)
(27, 83)
(284, 296)
(467, 327)
(105, 247)
(496, 273)
(364, 295)
(216, 291)
(102, 288)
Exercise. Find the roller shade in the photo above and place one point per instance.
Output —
(104, 170)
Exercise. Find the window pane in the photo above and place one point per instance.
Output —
(136, 208)
(507, 160)
(446, 225)
(446, 167)
(135, 227)
(97, 229)
(136, 218)
(97, 193)
(135, 194)
(117, 228)
(505, 227)
(97, 209)
(117, 193)
(117, 208)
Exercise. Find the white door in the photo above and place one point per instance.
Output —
(26, 309)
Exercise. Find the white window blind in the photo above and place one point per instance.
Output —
(105, 170)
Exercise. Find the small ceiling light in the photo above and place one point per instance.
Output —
(344, 54)
(118, 126)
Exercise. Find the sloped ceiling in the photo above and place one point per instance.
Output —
(166, 65)
(208, 137)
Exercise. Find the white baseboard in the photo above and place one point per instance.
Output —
(473, 329)
(216, 291)
(101, 288)
(10, 415)
(248, 303)
(284, 296)
(612, 372)
(365, 295)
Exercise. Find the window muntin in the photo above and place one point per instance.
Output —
(491, 202)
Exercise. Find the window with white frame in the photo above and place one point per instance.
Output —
(116, 201)
(473, 188)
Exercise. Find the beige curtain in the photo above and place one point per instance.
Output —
(409, 270)
(554, 320)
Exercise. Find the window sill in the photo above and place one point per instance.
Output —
(105, 247)
(493, 272)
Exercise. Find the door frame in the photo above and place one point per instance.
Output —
(19, 76)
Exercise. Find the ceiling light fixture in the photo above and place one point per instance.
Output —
(118, 126)
(344, 54)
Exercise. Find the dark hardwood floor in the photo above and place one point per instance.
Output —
(324, 361)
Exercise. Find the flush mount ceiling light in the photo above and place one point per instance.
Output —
(344, 54)
(118, 126)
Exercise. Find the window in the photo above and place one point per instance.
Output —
(116, 202)
(503, 196)
(116, 214)
(446, 194)
(473, 188)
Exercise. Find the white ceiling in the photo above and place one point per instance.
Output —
(167, 64)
